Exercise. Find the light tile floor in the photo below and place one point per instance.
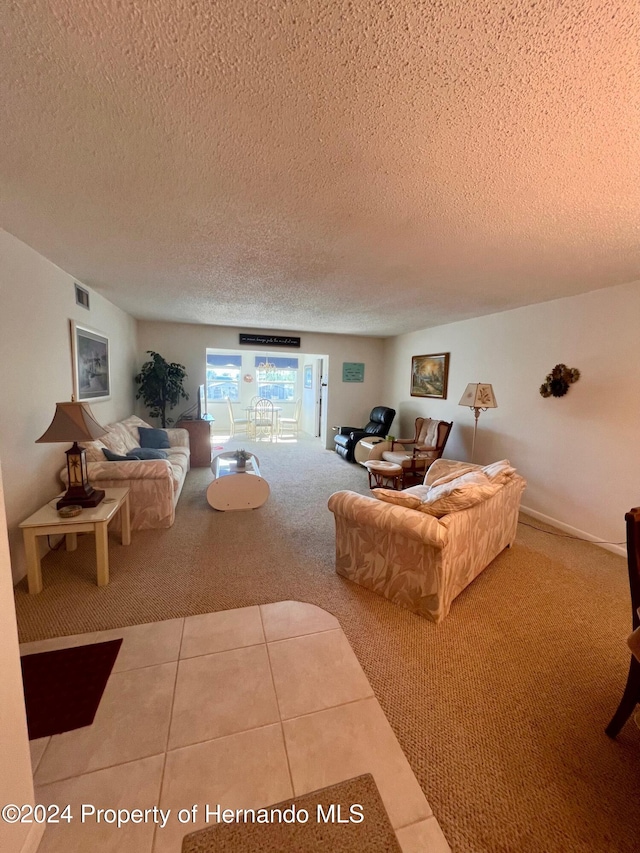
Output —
(242, 708)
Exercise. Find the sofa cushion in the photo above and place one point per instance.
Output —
(133, 423)
(94, 450)
(119, 439)
(110, 456)
(146, 453)
(155, 438)
(461, 493)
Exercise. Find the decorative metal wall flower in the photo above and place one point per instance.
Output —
(557, 382)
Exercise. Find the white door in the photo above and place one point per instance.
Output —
(320, 385)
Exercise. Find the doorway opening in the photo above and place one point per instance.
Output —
(294, 385)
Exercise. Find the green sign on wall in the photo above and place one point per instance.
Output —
(352, 371)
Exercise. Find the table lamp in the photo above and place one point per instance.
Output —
(75, 422)
(479, 397)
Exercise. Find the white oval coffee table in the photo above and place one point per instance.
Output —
(233, 488)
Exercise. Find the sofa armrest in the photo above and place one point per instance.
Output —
(363, 511)
(178, 437)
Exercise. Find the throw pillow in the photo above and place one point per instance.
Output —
(444, 468)
(114, 457)
(391, 496)
(147, 453)
(155, 438)
(466, 491)
(499, 472)
(419, 492)
(453, 475)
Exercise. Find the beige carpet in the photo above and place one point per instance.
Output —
(500, 710)
(320, 832)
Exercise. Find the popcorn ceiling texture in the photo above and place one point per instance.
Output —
(358, 167)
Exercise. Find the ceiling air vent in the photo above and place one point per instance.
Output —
(82, 296)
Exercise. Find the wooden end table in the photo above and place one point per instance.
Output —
(199, 441)
(47, 522)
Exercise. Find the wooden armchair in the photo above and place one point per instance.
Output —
(416, 454)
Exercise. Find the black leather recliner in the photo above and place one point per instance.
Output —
(380, 421)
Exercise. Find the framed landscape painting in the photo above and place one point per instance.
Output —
(91, 368)
(429, 375)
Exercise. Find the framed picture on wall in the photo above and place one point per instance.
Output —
(308, 376)
(91, 367)
(429, 375)
(353, 371)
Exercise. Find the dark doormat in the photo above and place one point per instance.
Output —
(63, 688)
(328, 828)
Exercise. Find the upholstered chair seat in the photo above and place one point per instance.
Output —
(418, 453)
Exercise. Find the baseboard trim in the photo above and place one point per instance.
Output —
(574, 531)
(33, 839)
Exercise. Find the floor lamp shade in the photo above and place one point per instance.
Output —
(75, 422)
(478, 396)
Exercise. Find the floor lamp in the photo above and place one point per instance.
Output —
(479, 397)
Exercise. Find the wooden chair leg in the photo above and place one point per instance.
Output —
(630, 698)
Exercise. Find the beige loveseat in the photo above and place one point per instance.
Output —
(422, 546)
(155, 484)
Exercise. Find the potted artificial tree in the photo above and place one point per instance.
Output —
(161, 386)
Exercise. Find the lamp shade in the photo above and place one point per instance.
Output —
(72, 422)
(478, 395)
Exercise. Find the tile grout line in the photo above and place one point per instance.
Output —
(98, 769)
(416, 822)
(332, 707)
(275, 692)
(222, 737)
(304, 636)
(34, 770)
(166, 746)
(222, 651)
(337, 627)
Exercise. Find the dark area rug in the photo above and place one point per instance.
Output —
(63, 688)
(373, 834)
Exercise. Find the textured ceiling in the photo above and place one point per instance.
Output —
(363, 167)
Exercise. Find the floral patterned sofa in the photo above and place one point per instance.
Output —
(155, 484)
(422, 546)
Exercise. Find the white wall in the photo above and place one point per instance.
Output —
(348, 403)
(16, 783)
(579, 453)
(37, 301)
